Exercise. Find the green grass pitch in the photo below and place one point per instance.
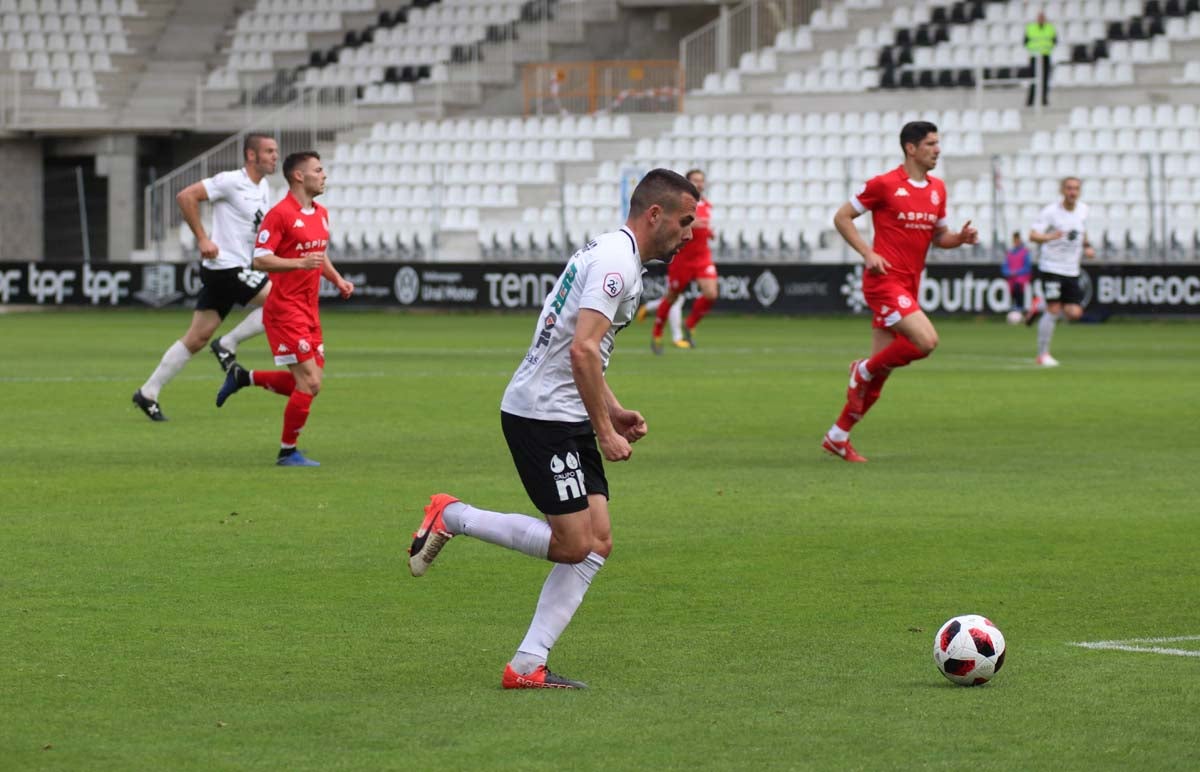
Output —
(170, 600)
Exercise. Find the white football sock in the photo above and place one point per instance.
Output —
(838, 434)
(652, 305)
(516, 532)
(249, 327)
(1045, 332)
(172, 362)
(863, 372)
(675, 319)
(561, 595)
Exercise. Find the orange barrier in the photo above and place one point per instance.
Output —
(588, 87)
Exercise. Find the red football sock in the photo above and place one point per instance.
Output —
(699, 309)
(660, 317)
(847, 420)
(898, 353)
(294, 417)
(278, 381)
(874, 387)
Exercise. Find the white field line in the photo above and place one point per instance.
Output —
(1144, 645)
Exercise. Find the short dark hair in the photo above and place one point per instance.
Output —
(1016, 234)
(295, 159)
(253, 141)
(662, 187)
(915, 131)
(688, 174)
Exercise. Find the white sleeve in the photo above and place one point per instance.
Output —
(1042, 223)
(218, 186)
(858, 205)
(605, 283)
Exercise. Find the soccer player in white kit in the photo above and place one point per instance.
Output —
(1061, 230)
(239, 199)
(562, 421)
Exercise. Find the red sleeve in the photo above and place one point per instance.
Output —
(871, 197)
(270, 234)
(941, 213)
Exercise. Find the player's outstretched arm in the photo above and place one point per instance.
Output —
(843, 220)
(331, 273)
(628, 423)
(188, 201)
(944, 239)
(272, 263)
(587, 367)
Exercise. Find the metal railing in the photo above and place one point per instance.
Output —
(314, 118)
(10, 100)
(720, 44)
(611, 87)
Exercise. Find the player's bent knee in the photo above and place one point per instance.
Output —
(603, 547)
(571, 553)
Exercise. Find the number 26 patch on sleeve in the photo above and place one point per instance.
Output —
(613, 284)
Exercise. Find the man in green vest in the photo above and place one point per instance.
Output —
(1040, 38)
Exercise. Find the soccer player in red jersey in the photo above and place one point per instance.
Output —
(693, 263)
(291, 247)
(908, 208)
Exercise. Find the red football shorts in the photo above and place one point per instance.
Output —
(890, 298)
(681, 273)
(293, 343)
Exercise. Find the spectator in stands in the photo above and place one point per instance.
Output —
(1040, 37)
(1018, 270)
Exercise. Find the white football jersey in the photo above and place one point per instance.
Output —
(1062, 256)
(238, 207)
(605, 276)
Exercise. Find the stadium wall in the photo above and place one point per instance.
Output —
(21, 217)
(961, 289)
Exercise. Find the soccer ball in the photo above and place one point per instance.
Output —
(969, 650)
(1014, 317)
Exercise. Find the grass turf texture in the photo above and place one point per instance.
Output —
(171, 600)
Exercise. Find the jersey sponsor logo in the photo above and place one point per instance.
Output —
(613, 284)
(900, 192)
(298, 224)
(935, 198)
(564, 290)
(568, 477)
(263, 236)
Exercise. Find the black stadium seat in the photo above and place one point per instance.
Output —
(1080, 53)
(1100, 50)
(904, 37)
(965, 78)
(1152, 8)
(924, 36)
(945, 78)
(939, 15)
(1137, 30)
(907, 79)
(885, 58)
(1157, 27)
(925, 79)
(1116, 31)
(959, 14)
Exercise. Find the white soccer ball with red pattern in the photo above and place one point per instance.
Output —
(969, 650)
